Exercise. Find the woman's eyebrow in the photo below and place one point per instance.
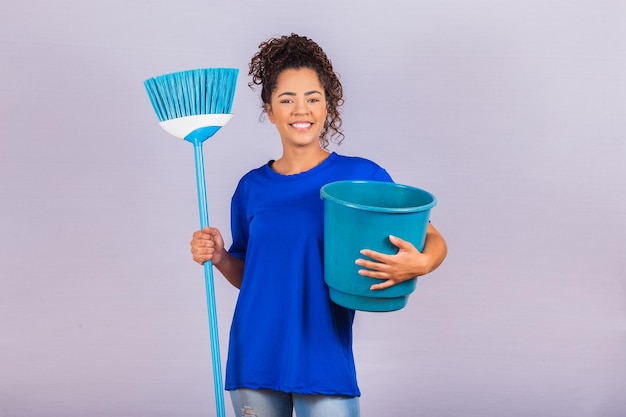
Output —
(289, 93)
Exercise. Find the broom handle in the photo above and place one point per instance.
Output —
(208, 280)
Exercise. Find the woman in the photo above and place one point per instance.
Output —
(290, 345)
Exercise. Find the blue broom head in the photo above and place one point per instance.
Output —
(192, 92)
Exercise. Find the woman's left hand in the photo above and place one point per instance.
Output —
(407, 263)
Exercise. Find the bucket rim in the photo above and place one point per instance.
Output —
(326, 196)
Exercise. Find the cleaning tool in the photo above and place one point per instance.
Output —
(193, 105)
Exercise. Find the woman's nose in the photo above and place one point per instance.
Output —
(300, 107)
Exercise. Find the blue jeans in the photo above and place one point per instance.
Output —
(269, 403)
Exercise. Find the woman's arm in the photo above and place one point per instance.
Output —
(407, 263)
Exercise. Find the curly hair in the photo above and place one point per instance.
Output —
(294, 52)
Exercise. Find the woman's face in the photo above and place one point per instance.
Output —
(298, 107)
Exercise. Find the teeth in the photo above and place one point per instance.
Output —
(301, 125)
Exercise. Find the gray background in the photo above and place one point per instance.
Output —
(511, 112)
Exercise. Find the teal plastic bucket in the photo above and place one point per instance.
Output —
(361, 215)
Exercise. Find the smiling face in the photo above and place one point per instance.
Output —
(298, 107)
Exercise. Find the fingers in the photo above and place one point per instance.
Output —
(401, 243)
(205, 233)
(204, 244)
(387, 284)
(376, 270)
(390, 269)
(376, 256)
(373, 269)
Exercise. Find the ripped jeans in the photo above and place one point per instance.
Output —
(269, 403)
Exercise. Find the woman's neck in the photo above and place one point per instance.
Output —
(296, 162)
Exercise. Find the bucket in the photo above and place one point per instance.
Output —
(361, 215)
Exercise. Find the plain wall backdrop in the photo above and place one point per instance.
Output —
(511, 112)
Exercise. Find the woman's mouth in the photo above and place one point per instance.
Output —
(301, 125)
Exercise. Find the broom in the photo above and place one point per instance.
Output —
(193, 105)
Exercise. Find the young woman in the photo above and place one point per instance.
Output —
(290, 346)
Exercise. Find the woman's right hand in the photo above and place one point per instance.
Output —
(207, 245)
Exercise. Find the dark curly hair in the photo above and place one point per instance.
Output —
(294, 52)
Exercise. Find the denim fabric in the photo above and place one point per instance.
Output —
(270, 403)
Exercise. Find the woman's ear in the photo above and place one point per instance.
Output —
(268, 110)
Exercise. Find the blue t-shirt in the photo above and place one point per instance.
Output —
(286, 333)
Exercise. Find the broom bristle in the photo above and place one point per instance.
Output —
(192, 92)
